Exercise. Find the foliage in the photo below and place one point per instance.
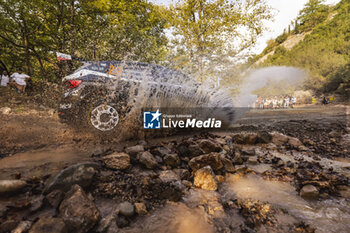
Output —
(31, 31)
(313, 13)
(324, 52)
(209, 33)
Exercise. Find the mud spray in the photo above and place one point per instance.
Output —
(177, 93)
(278, 76)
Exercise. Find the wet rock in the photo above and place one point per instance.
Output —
(5, 110)
(44, 225)
(147, 159)
(264, 137)
(11, 186)
(126, 209)
(55, 197)
(252, 160)
(256, 213)
(294, 142)
(237, 159)
(278, 138)
(168, 176)
(172, 160)
(209, 146)
(161, 151)
(246, 138)
(77, 211)
(205, 178)
(134, 150)
(213, 160)
(22, 227)
(184, 174)
(248, 151)
(194, 150)
(242, 169)
(117, 161)
(107, 223)
(309, 192)
(187, 183)
(226, 148)
(220, 178)
(80, 174)
(140, 209)
(280, 163)
(228, 166)
(309, 142)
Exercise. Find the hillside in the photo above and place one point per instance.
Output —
(320, 44)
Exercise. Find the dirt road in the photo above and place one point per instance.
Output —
(35, 138)
(267, 156)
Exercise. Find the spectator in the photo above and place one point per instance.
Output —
(5, 79)
(19, 80)
(286, 102)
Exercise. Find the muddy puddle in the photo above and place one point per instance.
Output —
(330, 215)
(174, 218)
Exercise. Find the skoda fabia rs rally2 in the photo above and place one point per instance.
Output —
(98, 95)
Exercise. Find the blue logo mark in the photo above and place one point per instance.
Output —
(151, 120)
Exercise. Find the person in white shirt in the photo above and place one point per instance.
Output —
(5, 79)
(19, 80)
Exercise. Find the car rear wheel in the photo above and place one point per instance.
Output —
(103, 117)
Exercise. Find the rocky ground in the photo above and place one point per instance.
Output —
(271, 172)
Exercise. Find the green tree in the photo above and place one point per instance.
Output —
(209, 33)
(31, 31)
(314, 12)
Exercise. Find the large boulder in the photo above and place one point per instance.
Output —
(205, 178)
(309, 192)
(11, 186)
(213, 160)
(208, 146)
(77, 211)
(117, 161)
(147, 159)
(44, 225)
(80, 174)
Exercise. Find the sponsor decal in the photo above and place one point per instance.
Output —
(65, 106)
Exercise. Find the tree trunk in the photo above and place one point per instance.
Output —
(26, 45)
